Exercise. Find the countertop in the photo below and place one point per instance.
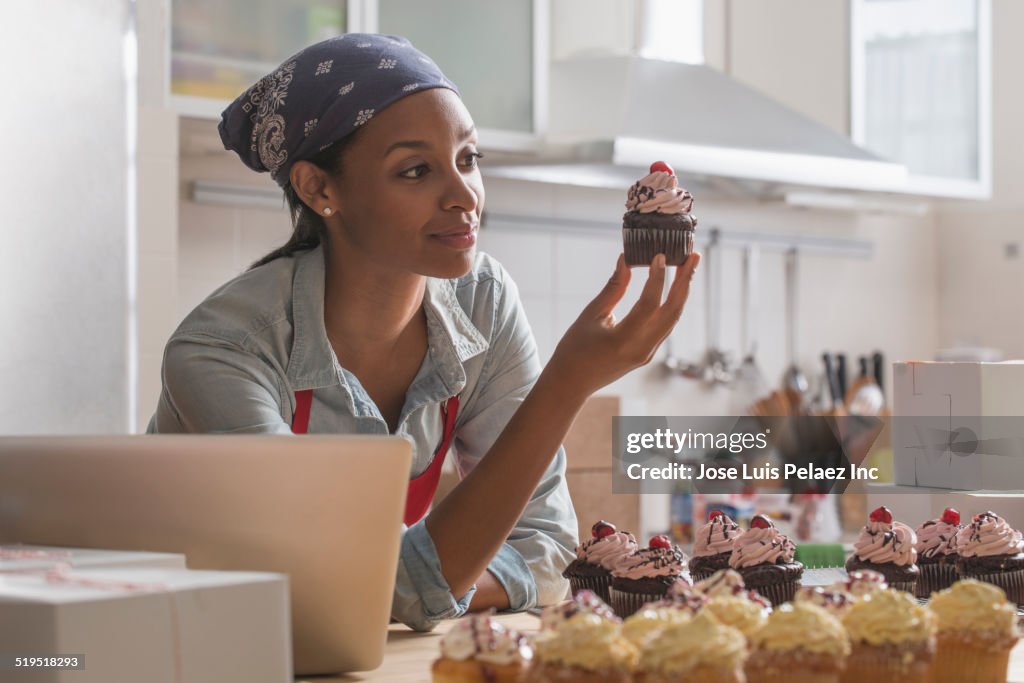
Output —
(408, 655)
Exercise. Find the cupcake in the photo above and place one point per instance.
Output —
(977, 629)
(646, 576)
(478, 649)
(892, 639)
(886, 547)
(658, 219)
(736, 611)
(936, 552)
(595, 558)
(712, 545)
(861, 583)
(654, 617)
(585, 648)
(764, 558)
(800, 643)
(727, 582)
(700, 650)
(834, 601)
(991, 551)
(584, 601)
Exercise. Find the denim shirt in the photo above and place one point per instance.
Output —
(236, 361)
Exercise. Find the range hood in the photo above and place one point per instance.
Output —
(611, 115)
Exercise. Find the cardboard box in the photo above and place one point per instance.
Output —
(22, 558)
(153, 625)
(980, 404)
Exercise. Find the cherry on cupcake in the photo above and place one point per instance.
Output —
(602, 529)
(951, 516)
(715, 513)
(663, 167)
(760, 522)
(881, 514)
(660, 541)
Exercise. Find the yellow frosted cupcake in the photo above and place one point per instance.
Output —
(655, 617)
(584, 649)
(977, 629)
(892, 639)
(801, 643)
(739, 612)
(700, 650)
(478, 649)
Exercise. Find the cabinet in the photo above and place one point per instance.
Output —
(496, 52)
(921, 90)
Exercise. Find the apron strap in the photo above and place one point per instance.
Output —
(422, 488)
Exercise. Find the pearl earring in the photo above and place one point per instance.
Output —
(327, 211)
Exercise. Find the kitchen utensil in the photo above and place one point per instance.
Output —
(865, 397)
(838, 407)
(749, 380)
(841, 375)
(794, 379)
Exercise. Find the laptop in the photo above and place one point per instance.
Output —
(325, 510)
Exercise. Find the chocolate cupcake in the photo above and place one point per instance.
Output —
(595, 558)
(936, 552)
(887, 547)
(713, 544)
(646, 576)
(658, 219)
(764, 558)
(992, 551)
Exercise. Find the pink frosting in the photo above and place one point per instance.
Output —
(936, 537)
(607, 550)
(659, 191)
(988, 534)
(716, 537)
(649, 562)
(762, 546)
(886, 543)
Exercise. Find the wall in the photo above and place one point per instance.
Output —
(64, 265)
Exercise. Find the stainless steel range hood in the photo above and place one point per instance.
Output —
(611, 116)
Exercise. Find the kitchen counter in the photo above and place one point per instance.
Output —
(408, 655)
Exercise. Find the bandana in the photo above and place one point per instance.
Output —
(321, 95)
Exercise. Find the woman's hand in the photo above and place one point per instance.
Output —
(596, 350)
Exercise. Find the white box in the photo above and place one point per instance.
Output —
(22, 558)
(153, 625)
(975, 401)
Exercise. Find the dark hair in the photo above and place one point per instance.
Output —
(308, 229)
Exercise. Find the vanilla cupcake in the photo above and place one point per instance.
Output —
(739, 612)
(584, 601)
(728, 582)
(834, 601)
(700, 650)
(977, 630)
(887, 547)
(892, 639)
(654, 617)
(861, 583)
(936, 552)
(801, 643)
(713, 544)
(585, 648)
(478, 649)
(992, 551)
(595, 558)
(764, 557)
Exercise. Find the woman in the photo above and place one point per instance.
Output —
(379, 316)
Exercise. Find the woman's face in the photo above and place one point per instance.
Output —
(409, 195)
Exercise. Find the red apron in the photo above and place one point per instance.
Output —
(423, 487)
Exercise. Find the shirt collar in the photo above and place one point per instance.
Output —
(451, 335)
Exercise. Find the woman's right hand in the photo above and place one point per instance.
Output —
(596, 350)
